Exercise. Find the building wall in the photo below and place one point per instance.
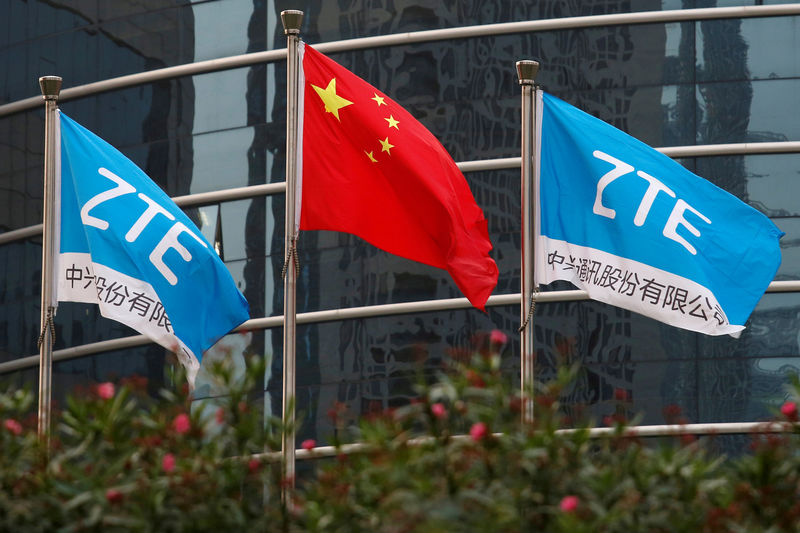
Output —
(673, 84)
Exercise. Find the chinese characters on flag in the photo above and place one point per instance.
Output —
(370, 169)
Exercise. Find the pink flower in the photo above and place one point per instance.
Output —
(497, 337)
(478, 431)
(439, 410)
(168, 463)
(569, 504)
(113, 496)
(181, 424)
(789, 410)
(220, 416)
(105, 390)
(308, 444)
(13, 426)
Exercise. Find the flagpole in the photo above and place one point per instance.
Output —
(51, 87)
(292, 19)
(527, 70)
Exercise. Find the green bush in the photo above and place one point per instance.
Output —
(457, 459)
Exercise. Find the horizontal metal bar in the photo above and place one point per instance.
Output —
(243, 60)
(707, 150)
(252, 191)
(227, 195)
(330, 315)
(566, 23)
(21, 234)
(150, 76)
(663, 430)
(489, 164)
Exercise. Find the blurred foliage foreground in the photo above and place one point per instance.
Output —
(457, 459)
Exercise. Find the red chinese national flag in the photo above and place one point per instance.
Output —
(370, 169)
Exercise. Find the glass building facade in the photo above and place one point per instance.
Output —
(695, 84)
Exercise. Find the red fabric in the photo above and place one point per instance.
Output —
(412, 202)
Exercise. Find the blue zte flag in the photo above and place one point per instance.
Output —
(124, 245)
(637, 230)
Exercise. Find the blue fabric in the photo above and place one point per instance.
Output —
(736, 253)
(202, 301)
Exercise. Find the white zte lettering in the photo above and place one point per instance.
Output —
(123, 187)
(149, 214)
(620, 168)
(653, 189)
(676, 218)
(153, 209)
(170, 240)
(654, 186)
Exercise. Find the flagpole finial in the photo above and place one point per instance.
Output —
(292, 19)
(51, 86)
(527, 70)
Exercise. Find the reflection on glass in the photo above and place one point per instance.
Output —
(768, 53)
(207, 221)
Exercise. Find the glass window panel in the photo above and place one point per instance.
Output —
(769, 182)
(755, 48)
(221, 160)
(259, 290)
(21, 199)
(154, 39)
(770, 116)
(219, 28)
(20, 282)
(735, 390)
(747, 111)
(246, 228)
(220, 100)
(207, 222)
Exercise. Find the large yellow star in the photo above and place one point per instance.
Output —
(333, 102)
(386, 146)
(392, 122)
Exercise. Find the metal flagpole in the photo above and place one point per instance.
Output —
(292, 19)
(527, 70)
(51, 86)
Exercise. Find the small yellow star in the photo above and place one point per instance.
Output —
(378, 99)
(392, 122)
(333, 102)
(371, 157)
(386, 146)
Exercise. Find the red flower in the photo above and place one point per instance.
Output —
(439, 410)
(620, 395)
(105, 390)
(253, 465)
(181, 424)
(13, 426)
(789, 410)
(308, 444)
(220, 416)
(474, 379)
(168, 463)
(497, 337)
(478, 431)
(113, 496)
(569, 504)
